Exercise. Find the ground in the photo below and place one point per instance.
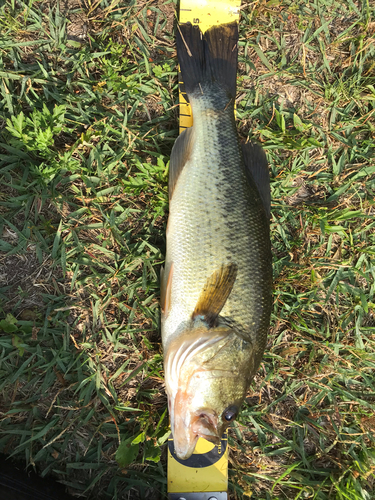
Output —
(88, 118)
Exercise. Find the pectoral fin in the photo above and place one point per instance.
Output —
(165, 292)
(215, 293)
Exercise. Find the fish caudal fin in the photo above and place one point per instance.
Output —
(208, 60)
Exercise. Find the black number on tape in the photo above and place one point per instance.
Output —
(197, 461)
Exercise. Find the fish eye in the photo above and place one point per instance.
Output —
(230, 413)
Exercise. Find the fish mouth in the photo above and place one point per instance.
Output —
(189, 423)
(205, 426)
(184, 440)
(187, 427)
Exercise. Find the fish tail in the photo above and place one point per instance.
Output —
(208, 62)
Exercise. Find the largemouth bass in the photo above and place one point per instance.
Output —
(216, 285)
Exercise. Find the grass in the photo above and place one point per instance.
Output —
(88, 117)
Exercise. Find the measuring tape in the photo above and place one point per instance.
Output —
(203, 476)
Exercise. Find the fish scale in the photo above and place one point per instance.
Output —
(216, 285)
(214, 222)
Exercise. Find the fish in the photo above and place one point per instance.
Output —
(216, 285)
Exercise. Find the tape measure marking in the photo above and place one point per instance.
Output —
(197, 461)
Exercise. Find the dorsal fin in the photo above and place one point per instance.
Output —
(257, 167)
(180, 154)
(215, 293)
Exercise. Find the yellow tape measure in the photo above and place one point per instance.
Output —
(204, 476)
(205, 471)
